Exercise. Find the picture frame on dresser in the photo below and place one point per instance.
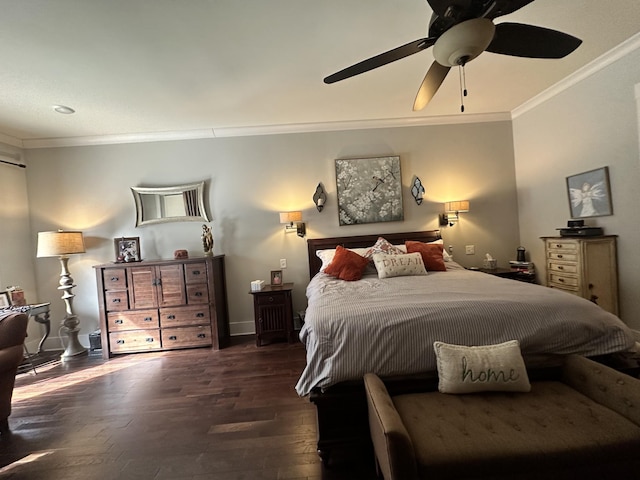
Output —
(127, 249)
(590, 193)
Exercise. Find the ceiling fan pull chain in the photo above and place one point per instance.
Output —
(463, 90)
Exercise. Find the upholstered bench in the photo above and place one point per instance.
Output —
(584, 424)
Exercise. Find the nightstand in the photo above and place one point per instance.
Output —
(509, 273)
(273, 312)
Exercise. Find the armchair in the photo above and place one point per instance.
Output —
(13, 331)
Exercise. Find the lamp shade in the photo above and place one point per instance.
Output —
(457, 206)
(55, 244)
(290, 217)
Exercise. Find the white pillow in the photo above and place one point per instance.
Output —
(327, 255)
(498, 368)
(399, 265)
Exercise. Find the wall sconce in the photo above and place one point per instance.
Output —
(293, 223)
(451, 211)
(319, 198)
(417, 190)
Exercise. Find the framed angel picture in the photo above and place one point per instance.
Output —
(590, 194)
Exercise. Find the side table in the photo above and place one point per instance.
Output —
(508, 273)
(273, 312)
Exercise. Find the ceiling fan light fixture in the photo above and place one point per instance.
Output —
(464, 42)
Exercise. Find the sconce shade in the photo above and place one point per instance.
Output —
(417, 190)
(290, 217)
(457, 206)
(55, 244)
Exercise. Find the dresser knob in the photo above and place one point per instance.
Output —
(559, 255)
(149, 340)
(148, 319)
(173, 337)
(115, 279)
(119, 321)
(198, 294)
(120, 342)
(196, 272)
(200, 315)
(202, 335)
(115, 300)
(171, 317)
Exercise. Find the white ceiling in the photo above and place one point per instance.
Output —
(198, 67)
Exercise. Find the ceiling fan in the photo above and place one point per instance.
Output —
(459, 31)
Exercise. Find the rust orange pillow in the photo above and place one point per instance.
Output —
(346, 265)
(431, 254)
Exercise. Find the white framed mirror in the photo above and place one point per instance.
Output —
(180, 203)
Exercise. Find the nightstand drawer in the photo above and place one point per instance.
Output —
(135, 341)
(133, 320)
(565, 257)
(181, 316)
(278, 298)
(566, 245)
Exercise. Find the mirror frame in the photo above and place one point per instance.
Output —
(163, 191)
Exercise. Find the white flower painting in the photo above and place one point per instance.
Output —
(589, 194)
(369, 190)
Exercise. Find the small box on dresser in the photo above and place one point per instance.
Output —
(162, 305)
(584, 266)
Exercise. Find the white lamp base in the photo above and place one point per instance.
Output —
(74, 348)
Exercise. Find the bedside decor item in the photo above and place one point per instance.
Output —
(369, 190)
(61, 244)
(207, 241)
(293, 223)
(452, 211)
(590, 194)
(127, 249)
(180, 255)
(417, 190)
(180, 203)
(319, 197)
(577, 228)
(276, 278)
(17, 296)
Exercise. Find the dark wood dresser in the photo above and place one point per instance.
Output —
(162, 305)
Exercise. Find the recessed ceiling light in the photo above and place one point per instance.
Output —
(64, 109)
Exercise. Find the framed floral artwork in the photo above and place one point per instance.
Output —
(127, 249)
(5, 301)
(369, 190)
(589, 193)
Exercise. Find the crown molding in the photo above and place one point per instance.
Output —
(223, 132)
(9, 140)
(591, 68)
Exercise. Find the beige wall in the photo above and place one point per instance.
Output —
(251, 179)
(591, 125)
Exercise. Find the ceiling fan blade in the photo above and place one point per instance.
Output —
(430, 85)
(382, 59)
(498, 8)
(520, 40)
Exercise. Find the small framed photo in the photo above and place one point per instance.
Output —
(589, 193)
(127, 249)
(5, 300)
(276, 278)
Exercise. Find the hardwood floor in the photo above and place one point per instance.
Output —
(190, 414)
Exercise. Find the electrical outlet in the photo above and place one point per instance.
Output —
(470, 249)
(283, 263)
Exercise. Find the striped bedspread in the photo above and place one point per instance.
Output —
(388, 326)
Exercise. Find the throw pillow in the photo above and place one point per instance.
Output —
(346, 265)
(464, 369)
(383, 246)
(431, 254)
(398, 265)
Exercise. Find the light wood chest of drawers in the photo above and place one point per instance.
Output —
(586, 267)
(162, 305)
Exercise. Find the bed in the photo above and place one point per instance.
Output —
(388, 326)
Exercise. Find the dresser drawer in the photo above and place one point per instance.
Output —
(186, 337)
(565, 245)
(197, 294)
(135, 341)
(565, 281)
(115, 279)
(133, 320)
(563, 267)
(195, 273)
(565, 257)
(180, 316)
(116, 300)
